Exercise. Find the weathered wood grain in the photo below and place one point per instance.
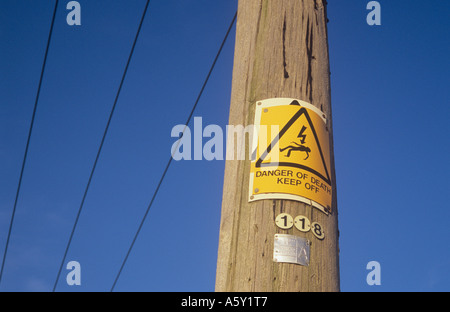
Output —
(281, 51)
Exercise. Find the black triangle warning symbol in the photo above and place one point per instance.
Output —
(296, 153)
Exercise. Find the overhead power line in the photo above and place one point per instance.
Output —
(171, 157)
(28, 140)
(101, 145)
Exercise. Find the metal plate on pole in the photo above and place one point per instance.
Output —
(291, 249)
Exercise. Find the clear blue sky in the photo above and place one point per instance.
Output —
(391, 106)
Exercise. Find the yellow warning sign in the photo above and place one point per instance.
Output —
(291, 153)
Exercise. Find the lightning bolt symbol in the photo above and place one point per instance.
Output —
(301, 135)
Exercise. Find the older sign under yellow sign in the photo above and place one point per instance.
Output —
(291, 153)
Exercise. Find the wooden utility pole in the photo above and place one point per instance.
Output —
(281, 52)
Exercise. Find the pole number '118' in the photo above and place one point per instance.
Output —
(285, 221)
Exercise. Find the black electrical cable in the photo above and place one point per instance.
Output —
(170, 160)
(101, 145)
(28, 139)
